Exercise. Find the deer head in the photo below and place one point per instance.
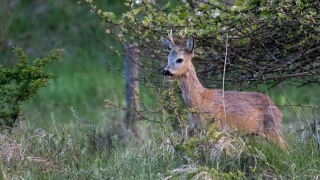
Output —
(179, 59)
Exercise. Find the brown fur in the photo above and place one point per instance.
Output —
(248, 112)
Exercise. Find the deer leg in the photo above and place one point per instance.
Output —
(276, 138)
(272, 131)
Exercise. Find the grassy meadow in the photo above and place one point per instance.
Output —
(68, 134)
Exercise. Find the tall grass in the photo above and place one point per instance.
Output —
(37, 154)
(33, 153)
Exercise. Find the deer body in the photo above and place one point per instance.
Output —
(249, 112)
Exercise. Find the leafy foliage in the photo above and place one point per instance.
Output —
(268, 42)
(20, 83)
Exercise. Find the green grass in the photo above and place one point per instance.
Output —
(307, 96)
(79, 87)
(38, 154)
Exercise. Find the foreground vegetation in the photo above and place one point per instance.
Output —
(38, 154)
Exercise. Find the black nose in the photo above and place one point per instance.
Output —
(166, 73)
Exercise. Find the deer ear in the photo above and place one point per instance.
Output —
(190, 44)
(166, 42)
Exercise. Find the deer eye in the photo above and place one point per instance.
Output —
(179, 60)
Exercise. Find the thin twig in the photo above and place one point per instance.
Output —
(298, 105)
(316, 134)
(293, 107)
(223, 78)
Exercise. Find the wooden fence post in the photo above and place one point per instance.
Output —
(131, 87)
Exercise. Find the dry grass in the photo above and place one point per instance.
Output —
(19, 153)
(11, 152)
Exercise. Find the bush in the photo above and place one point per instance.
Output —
(268, 42)
(22, 82)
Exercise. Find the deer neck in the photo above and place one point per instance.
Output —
(192, 89)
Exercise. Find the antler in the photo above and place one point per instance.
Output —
(183, 34)
(171, 37)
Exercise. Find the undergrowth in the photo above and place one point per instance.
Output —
(211, 153)
(37, 153)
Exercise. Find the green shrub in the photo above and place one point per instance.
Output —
(22, 82)
(268, 42)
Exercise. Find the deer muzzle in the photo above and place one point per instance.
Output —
(166, 72)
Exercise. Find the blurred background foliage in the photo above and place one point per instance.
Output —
(82, 80)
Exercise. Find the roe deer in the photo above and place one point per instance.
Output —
(249, 112)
